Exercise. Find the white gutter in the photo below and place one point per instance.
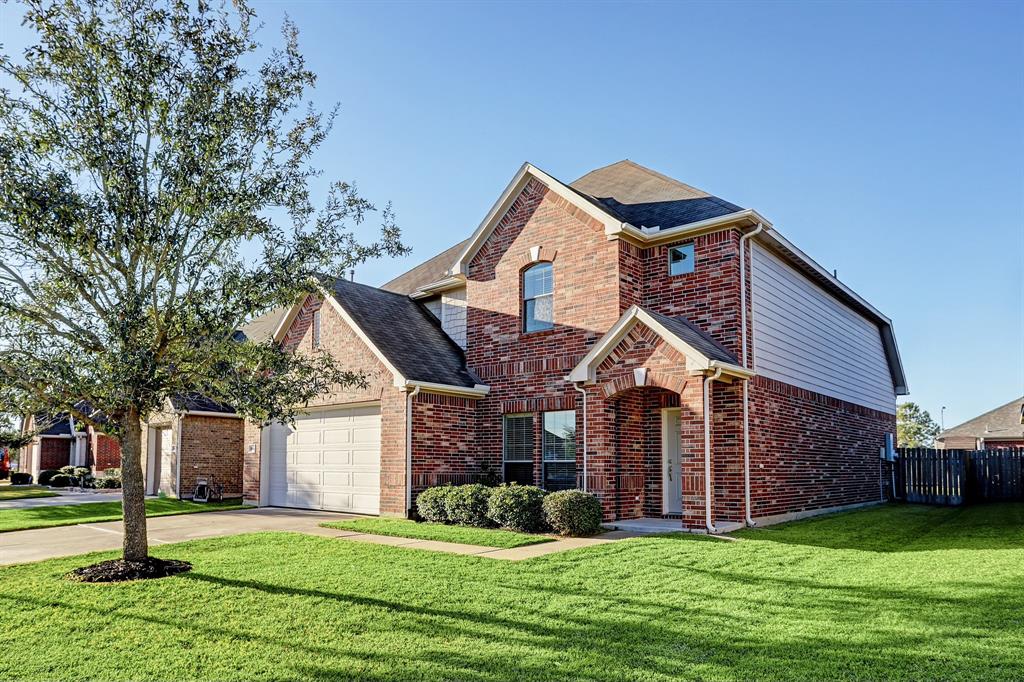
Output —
(408, 448)
(584, 392)
(683, 231)
(707, 449)
(477, 391)
(746, 384)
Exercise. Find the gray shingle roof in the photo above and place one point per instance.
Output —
(694, 336)
(59, 425)
(263, 327)
(645, 198)
(1002, 422)
(194, 402)
(427, 272)
(406, 333)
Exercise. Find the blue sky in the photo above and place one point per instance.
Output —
(886, 140)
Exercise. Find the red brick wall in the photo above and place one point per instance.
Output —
(526, 372)
(251, 454)
(106, 452)
(54, 453)
(444, 442)
(1000, 444)
(211, 446)
(809, 451)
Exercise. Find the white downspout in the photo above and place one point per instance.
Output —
(408, 448)
(746, 382)
(707, 449)
(584, 392)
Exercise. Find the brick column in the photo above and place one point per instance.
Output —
(691, 425)
(251, 461)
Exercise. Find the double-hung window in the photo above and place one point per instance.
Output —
(538, 298)
(517, 448)
(559, 448)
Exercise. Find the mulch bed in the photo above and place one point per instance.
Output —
(119, 570)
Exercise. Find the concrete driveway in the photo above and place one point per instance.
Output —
(47, 543)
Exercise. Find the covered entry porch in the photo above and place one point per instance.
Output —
(664, 434)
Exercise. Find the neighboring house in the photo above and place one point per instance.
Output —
(62, 441)
(663, 348)
(194, 437)
(1002, 427)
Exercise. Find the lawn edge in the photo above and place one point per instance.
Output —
(348, 525)
(117, 517)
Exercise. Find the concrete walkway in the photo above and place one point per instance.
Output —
(63, 497)
(25, 546)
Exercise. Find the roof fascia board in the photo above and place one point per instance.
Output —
(205, 413)
(512, 190)
(440, 286)
(585, 371)
(792, 253)
(645, 238)
(478, 391)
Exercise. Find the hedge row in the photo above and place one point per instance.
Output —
(523, 508)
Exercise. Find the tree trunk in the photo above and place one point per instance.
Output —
(133, 490)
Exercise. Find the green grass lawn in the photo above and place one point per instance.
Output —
(403, 528)
(23, 492)
(850, 598)
(87, 512)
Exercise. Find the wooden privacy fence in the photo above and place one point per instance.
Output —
(954, 477)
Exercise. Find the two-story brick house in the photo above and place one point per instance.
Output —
(663, 348)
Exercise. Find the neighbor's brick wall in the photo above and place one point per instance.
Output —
(810, 451)
(211, 447)
(54, 453)
(105, 451)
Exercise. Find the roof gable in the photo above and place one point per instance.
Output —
(701, 350)
(648, 199)
(427, 272)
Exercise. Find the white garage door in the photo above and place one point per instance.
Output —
(329, 460)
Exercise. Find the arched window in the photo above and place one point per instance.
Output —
(538, 298)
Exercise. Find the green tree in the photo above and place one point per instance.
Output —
(154, 195)
(915, 428)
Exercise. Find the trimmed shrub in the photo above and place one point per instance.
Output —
(431, 504)
(573, 512)
(60, 481)
(517, 507)
(46, 474)
(467, 505)
(68, 470)
(20, 478)
(107, 482)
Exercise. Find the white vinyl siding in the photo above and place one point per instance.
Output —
(805, 337)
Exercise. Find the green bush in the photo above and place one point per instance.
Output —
(431, 504)
(107, 482)
(573, 512)
(46, 474)
(68, 470)
(60, 481)
(517, 507)
(20, 478)
(466, 505)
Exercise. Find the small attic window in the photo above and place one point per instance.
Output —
(316, 329)
(680, 259)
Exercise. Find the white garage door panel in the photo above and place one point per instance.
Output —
(329, 460)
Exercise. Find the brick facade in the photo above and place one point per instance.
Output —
(54, 453)
(104, 450)
(211, 447)
(808, 451)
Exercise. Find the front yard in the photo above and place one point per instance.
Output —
(23, 492)
(851, 596)
(92, 512)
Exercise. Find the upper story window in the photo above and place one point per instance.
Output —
(316, 329)
(680, 259)
(538, 298)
